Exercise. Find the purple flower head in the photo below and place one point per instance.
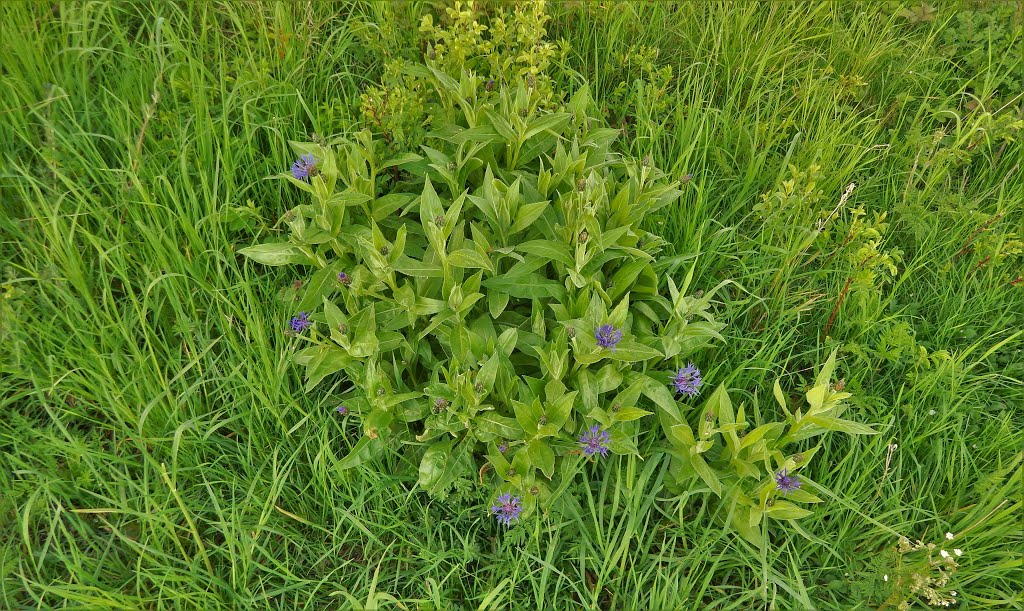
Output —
(304, 167)
(688, 381)
(344, 278)
(507, 509)
(595, 441)
(786, 483)
(607, 336)
(503, 447)
(300, 323)
(342, 410)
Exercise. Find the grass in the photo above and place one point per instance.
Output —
(157, 449)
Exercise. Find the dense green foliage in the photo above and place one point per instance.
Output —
(837, 180)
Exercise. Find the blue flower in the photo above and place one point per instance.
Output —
(688, 381)
(786, 483)
(304, 167)
(342, 410)
(300, 323)
(595, 441)
(507, 509)
(607, 336)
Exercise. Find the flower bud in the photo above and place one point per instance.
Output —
(534, 490)
(647, 161)
(581, 185)
(489, 85)
(342, 328)
(709, 416)
(380, 392)
(478, 387)
(531, 81)
(439, 220)
(685, 179)
(798, 458)
(384, 251)
(615, 408)
(570, 331)
(584, 236)
(542, 420)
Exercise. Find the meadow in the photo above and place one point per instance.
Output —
(851, 172)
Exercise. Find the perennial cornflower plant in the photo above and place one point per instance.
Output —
(463, 277)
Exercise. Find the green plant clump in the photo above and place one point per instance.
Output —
(499, 310)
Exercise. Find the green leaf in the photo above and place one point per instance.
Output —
(317, 288)
(781, 399)
(558, 410)
(707, 474)
(279, 253)
(402, 159)
(825, 375)
(548, 249)
(496, 302)
(816, 399)
(542, 457)
(363, 451)
(627, 414)
(328, 360)
(784, 510)
(470, 259)
(441, 465)
(490, 425)
(631, 351)
(527, 215)
(527, 286)
(417, 269)
(838, 424)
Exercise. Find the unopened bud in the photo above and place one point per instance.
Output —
(489, 85)
(685, 179)
(440, 405)
(384, 251)
(584, 236)
(534, 490)
(342, 328)
(372, 432)
(478, 387)
(798, 458)
(570, 331)
(646, 161)
(542, 420)
(380, 392)
(439, 220)
(581, 185)
(709, 416)
(531, 81)
(769, 503)
(615, 408)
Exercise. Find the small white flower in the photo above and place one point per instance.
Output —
(953, 593)
(958, 551)
(931, 412)
(944, 553)
(949, 536)
(885, 578)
